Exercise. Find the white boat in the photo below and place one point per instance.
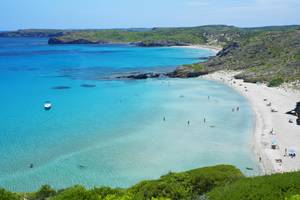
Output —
(47, 105)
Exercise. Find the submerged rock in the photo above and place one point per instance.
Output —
(61, 87)
(81, 166)
(88, 85)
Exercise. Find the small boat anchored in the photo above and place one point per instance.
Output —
(47, 105)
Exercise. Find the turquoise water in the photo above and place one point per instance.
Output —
(112, 134)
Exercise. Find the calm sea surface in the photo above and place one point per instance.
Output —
(112, 134)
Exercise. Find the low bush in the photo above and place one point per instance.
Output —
(273, 187)
(275, 82)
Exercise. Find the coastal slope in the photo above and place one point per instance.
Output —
(272, 57)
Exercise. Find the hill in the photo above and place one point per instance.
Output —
(218, 35)
(272, 57)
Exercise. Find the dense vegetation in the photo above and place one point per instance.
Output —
(217, 182)
(277, 186)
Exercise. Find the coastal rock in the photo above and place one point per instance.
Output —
(55, 40)
(185, 72)
(205, 57)
(140, 76)
(160, 43)
(228, 48)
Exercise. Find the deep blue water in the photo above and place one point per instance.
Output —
(112, 134)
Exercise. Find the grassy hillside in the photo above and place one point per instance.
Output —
(219, 35)
(217, 182)
(272, 57)
(155, 36)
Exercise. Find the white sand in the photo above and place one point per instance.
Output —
(215, 49)
(287, 135)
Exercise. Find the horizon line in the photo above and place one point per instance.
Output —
(149, 27)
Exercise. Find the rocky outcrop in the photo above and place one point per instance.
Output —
(56, 40)
(228, 48)
(140, 76)
(160, 43)
(185, 72)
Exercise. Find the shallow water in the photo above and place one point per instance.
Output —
(112, 134)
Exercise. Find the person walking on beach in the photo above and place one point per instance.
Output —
(285, 152)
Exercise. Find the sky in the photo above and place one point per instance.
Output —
(73, 14)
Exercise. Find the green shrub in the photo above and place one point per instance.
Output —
(44, 192)
(186, 185)
(275, 82)
(110, 193)
(75, 193)
(5, 195)
(294, 197)
(273, 187)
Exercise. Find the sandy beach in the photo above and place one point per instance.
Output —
(285, 135)
(215, 49)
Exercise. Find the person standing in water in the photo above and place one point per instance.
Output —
(188, 122)
(164, 119)
(238, 108)
(204, 120)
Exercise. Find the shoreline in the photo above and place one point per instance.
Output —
(214, 49)
(285, 134)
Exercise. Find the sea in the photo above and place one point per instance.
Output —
(103, 131)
